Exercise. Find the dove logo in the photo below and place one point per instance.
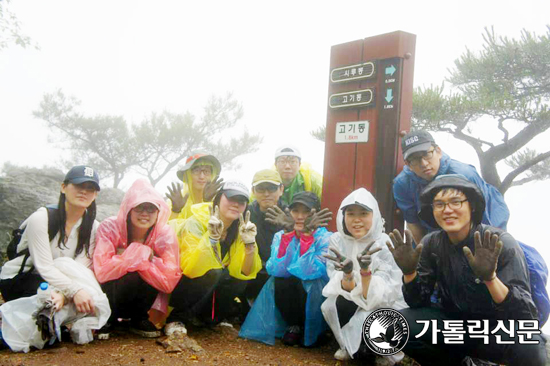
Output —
(386, 332)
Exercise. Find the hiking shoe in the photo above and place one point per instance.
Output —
(174, 327)
(342, 355)
(292, 336)
(144, 328)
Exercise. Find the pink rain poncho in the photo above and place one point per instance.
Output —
(114, 257)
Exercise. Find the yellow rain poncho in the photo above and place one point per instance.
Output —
(196, 253)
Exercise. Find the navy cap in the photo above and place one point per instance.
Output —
(81, 174)
(416, 141)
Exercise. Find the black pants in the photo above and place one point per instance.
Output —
(23, 285)
(196, 297)
(346, 309)
(129, 297)
(290, 299)
(426, 353)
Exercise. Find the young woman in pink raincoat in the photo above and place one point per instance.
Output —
(136, 259)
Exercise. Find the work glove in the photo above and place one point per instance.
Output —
(405, 256)
(484, 264)
(44, 320)
(365, 257)
(215, 225)
(211, 188)
(278, 217)
(178, 200)
(341, 263)
(317, 219)
(247, 230)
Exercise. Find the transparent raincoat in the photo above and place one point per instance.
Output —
(114, 257)
(264, 322)
(197, 255)
(385, 285)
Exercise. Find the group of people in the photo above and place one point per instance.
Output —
(214, 251)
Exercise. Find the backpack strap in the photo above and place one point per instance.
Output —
(53, 229)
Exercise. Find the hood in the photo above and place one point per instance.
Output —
(141, 191)
(364, 197)
(458, 181)
(443, 167)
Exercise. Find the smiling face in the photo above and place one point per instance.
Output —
(358, 221)
(425, 164)
(267, 195)
(452, 213)
(232, 208)
(79, 195)
(299, 213)
(144, 216)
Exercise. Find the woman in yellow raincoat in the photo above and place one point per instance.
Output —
(198, 185)
(218, 255)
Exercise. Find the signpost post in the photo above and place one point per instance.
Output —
(370, 102)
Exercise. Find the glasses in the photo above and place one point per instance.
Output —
(290, 161)
(198, 170)
(149, 208)
(453, 205)
(428, 155)
(268, 188)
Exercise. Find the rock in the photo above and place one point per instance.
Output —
(179, 342)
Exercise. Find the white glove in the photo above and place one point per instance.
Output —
(215, 225)
(247, 230)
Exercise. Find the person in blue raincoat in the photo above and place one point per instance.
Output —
(289, 305)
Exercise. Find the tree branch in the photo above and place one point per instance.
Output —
(507, 182)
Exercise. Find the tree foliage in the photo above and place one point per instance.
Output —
(10, 28)
(504, 87)
(155, 146)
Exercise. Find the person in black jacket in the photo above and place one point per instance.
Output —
(481, 273)
(267, 187)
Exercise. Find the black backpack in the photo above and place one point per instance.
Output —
(53, 228)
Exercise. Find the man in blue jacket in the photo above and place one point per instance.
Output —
(424, 161)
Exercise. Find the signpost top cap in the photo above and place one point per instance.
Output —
(416, 141)
(288, 150)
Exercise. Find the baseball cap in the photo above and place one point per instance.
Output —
(416, 141)
(267, 176)
(234, 188)
(308, 199)
(80, 174)
(197, 158)
(357, 204)
(288, 150)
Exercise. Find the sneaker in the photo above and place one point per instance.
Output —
(144, 328)
(342, 355)
(292, 336)
(105, 332)
(174, 327)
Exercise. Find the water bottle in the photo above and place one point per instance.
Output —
(43, 293)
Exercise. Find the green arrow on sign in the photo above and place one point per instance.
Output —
(389, 96)
(390, 70)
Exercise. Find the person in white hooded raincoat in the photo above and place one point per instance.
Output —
(346, 306)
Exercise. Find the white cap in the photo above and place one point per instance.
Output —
(288, 150)
(235, 188)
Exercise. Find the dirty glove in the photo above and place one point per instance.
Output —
(211, 188)
(44, 320)
(215, 225)
(405, 256)
(484, 264)
(178, 200)
(365, 257)
(341, 263)
(247, 230)
(277, 217)
(317, 219)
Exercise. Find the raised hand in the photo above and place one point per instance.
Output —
(405, 256)
(215, 225)
(484, 264)
(317, 219)
(365, 257)
(278, 217)
(247, 229)
(211, 188)
(341, 263)
(174, 194)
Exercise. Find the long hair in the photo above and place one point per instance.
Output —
(85, 231)
(233, 230)
(129, 226)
